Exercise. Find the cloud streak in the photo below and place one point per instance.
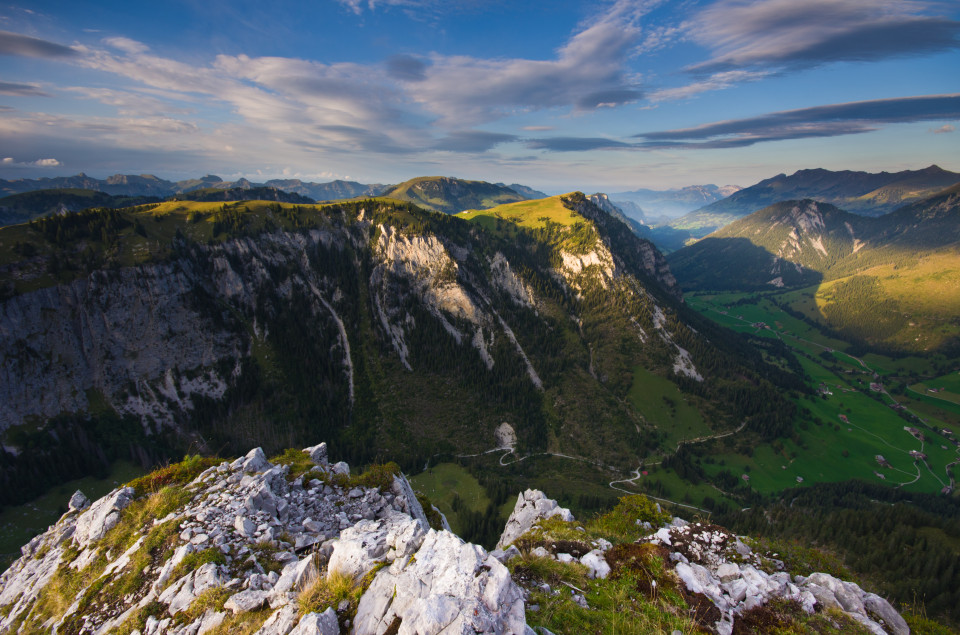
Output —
(21, 90)
(25, 46)
(822, 121)
(830, 120)
(790, 34)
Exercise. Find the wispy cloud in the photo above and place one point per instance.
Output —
(790, 34)
(472, 141)
(21, 90)
(26, 46)
(578, 144)
(821, 121)
(126, 44)
(717, 81)
(588, 72)
(945, 128)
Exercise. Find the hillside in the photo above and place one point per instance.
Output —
(248, 193)
(201, 323)
(20, 208)
(297, 544)
(792, 244)
(888, 281)
(862, 193)
(450, 195)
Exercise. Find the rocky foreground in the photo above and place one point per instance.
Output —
(302, 546)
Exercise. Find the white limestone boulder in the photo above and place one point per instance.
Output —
(452, 587)
(532, 506)
(102, 516)
(318, 624)
(368, 542)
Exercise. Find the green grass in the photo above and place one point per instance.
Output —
(532, 214)
(822, 452)
(21, 523)
(663, 405)
(441, 483)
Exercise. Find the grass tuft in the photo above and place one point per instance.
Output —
(175, 474)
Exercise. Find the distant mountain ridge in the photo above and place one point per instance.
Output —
(529, 192)
(862, 193)
(150, 185)
(244, 194)
(673, 202)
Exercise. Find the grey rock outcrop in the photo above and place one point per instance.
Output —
(370, 542)
(242, 522)
(102, 516)
(452, 588)
(532, 506)
(713, 562)
(318, 624)
(78, 501)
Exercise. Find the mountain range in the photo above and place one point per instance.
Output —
(655, 206)
(149, 185)
(862, 193)
(233, 315)
(898, 269)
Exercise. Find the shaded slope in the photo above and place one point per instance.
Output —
(20, 208)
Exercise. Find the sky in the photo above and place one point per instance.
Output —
(599, 95)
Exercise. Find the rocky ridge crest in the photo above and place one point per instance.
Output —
(263, 546)
(250, 542)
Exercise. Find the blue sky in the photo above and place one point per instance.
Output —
(560, 95)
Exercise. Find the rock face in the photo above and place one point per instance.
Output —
(257, 539)
(532, 506)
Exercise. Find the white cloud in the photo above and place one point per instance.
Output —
(10, 162)
(588, 72)
(126, 45)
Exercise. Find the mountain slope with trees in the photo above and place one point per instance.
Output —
(375, 324)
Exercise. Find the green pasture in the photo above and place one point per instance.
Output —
(663, 405)
(440, 483)
(533, 214)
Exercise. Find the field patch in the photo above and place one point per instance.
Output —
(663, 405)
(443, 483)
